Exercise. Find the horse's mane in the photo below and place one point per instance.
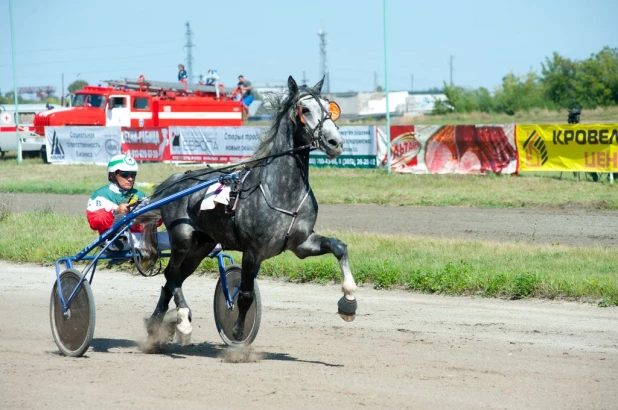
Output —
(282, 105)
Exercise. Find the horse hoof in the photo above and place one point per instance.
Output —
(346, 317)
(183, 339)
(152, 326)
(238, 332)
(347, 309)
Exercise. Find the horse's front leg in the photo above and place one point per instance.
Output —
(319, 245)
(250, 268)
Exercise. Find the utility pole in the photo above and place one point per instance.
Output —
(451, 65)
(323, 61)
(375, 81)
(189, 45)
(305, 79)
(411, 82)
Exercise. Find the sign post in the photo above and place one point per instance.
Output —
(15, 85)
(388, 112)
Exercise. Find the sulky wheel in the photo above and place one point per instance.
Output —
(149, 266)
(72, 332)
(225, 318)
(146, 267)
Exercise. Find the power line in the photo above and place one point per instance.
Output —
(115, 47)
(39, 63)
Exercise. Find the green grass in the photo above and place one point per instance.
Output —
(353, 186)
(441, 266)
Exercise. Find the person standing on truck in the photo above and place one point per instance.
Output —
(182, 74)
(246, 90)
(211, 78)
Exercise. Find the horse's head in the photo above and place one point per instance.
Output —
(316, 116)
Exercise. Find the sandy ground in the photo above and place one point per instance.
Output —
(404, 350)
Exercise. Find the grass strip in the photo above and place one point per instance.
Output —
(353, 186)
(441, 266)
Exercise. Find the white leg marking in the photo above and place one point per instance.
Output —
(348, 286)
(183, 325)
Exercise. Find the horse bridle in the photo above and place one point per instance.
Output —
(316, 138)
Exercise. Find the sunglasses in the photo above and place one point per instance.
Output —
(127, 174)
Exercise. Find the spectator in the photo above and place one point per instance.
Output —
(211, 78)
(182, 74)
(247, 92)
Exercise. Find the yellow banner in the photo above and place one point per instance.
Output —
(580, 147)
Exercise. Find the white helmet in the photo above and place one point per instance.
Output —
(122, 162)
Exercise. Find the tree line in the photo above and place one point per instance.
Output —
(563, 82)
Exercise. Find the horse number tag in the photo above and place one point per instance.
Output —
(334, 110)
(300, 114)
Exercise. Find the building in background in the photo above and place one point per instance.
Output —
(356, 106)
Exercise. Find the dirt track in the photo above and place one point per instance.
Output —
(403, 350)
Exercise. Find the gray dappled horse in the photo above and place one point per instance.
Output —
(276, 209)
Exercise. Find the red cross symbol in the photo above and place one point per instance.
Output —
(6, 118)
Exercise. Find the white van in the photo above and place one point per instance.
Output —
(32, 145)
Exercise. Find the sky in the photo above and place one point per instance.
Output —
(268, 40)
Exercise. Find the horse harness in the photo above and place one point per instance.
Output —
(236, 183)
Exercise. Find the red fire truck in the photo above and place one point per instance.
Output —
(142, 103)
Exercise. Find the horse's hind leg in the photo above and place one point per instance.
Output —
(188, 249)
(250, 268)
(319, 245)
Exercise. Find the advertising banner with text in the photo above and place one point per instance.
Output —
(82, 145)
(453, 149)
(578, 147)
(359, 149)
(146, 144)
(213, 144)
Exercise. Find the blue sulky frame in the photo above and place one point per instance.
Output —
(122, 226)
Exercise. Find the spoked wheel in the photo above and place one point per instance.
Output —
(225, 318)
(72, 332)
(146, 267)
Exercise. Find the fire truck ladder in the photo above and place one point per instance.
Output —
(141, 84)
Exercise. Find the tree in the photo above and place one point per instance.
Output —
(596, 80)
(76, 85)
(559, 79)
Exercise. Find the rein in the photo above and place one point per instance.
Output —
(314, 144)
(191, 174)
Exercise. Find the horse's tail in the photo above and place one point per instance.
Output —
(149, 236)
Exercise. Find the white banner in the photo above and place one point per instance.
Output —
(82, 145)
(359, 149)
(213, 144)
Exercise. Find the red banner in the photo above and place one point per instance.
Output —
(458, 149)
(146, 144)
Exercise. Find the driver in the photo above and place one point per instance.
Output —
(113, 199)
(112, 202)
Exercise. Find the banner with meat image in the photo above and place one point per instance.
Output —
(454, 149)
